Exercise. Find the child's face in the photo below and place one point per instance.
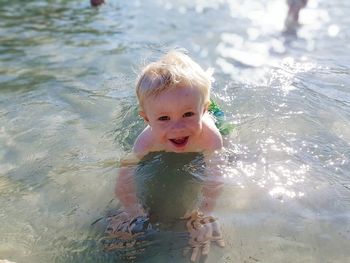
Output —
(175, 117)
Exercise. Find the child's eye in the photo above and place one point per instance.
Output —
(164, 118)
(188, 114)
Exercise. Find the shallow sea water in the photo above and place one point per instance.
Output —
(68, 114)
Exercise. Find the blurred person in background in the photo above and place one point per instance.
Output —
(292, 19)
(96, 2)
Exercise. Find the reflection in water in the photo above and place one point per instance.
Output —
(169, 185)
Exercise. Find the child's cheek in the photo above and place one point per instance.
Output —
(162, 127)
(195, 123)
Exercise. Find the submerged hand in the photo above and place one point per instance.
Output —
(123, 229)
(203, 230)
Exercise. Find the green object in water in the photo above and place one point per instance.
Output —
(224, 126)
(213, 107)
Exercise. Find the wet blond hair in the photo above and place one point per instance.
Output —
(174, 70)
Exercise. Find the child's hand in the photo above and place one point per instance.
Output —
(203, 230)
(124, 229)
(127, 222)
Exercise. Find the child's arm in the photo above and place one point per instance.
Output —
(213, 183)
(202, 227)
(125, 189)
(123, 224)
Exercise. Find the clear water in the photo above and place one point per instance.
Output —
(67, 115)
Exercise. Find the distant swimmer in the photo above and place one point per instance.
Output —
(294, 7)
(96, 2)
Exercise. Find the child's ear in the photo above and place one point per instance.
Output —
(206, 107)
(144, 116)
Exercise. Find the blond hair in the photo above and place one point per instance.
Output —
(175, 69)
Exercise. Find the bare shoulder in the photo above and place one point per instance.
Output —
(211, 134)
(143, 143)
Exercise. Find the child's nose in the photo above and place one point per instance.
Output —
(178, 126)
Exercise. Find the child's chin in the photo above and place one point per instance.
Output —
(177, 148)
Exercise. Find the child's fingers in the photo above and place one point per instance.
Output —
(203, 230)
(206, 248)
(217, 235)
(195, 252)
(220, 242)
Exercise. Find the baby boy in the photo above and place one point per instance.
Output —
(174, 96)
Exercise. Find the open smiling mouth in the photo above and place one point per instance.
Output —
(180, 142)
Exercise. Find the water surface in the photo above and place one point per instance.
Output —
(68, 114)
